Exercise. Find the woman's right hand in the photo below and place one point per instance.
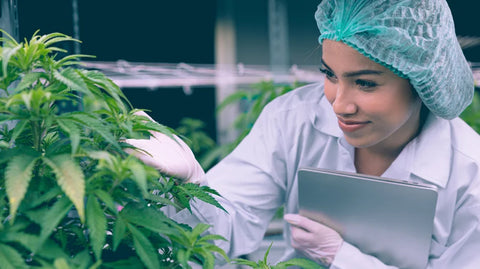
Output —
(169, 156)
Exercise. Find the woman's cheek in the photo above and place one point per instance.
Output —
(329, 91)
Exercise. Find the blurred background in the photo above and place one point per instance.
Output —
(168, 55)
(204, 68)
(174, 39)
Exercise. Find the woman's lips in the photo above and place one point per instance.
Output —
(349, 126)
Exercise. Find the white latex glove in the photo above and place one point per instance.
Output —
(315, 240)
(170, 157)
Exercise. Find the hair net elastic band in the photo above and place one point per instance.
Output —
(332, 36)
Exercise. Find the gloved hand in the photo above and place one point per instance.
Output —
(171, 157)
(315, 240)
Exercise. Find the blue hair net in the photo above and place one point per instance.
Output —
(413, 38)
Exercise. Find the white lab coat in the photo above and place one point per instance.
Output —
(300, 129)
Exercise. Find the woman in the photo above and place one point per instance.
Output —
(395, 82)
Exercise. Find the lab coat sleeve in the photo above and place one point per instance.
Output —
(251, 181)
(349, 256)
(460, 252)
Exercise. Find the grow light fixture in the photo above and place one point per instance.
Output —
(167, 75)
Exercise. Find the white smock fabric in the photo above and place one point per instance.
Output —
(300, 129)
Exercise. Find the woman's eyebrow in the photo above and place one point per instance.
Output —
(356, 73)
(323, 63)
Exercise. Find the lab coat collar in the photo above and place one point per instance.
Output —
(432, 151)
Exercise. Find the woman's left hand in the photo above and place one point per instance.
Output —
(315, 240)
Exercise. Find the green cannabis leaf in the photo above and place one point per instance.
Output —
(264, 264)
(97, 223)
(70, 195)
(17, 178)
(184, 193)
(70, 178)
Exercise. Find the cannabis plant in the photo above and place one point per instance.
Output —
(264, 264)
(70, 195)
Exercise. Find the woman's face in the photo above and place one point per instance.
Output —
(375, 108)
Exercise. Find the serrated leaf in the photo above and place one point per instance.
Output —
(44, 197)
(100, 155)
(182, 258)
(106, 198)
(18, 174)
(28, 80)
(7, 53)
(106, 84)
(201, 192)
(70, 178)
(302, 263)
(48, 218)
(138, 175)
(148, 217)
(198, 230)
(95, 125)
(71, 79)
(6, 117)
(209, 190)
(83, 260)
(182, 200)
(51, 250)
(10, 258)
(211, 237)
(265, 257)
(157, 127)
(161, 199)
(144, 248)
(73, 131)
(97, 225)
(244, 262)
(119, 230)
(17, 130)
(208, 258)
(8, 40)
(72, 60)
(52, 38)
(214, 248)
(27, 240)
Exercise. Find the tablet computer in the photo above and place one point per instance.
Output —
(389, 219)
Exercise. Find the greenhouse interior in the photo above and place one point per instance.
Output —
(73, 193)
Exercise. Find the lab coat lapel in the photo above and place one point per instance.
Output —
(432, 154)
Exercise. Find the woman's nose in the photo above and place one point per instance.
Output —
(344, 102)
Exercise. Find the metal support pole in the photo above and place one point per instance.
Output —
(9, 18)
(76, 26)
(225, 62)
(278, 34)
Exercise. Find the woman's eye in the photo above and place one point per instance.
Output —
(365, 83)
(329, 74)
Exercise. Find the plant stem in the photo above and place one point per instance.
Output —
(36, 135)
